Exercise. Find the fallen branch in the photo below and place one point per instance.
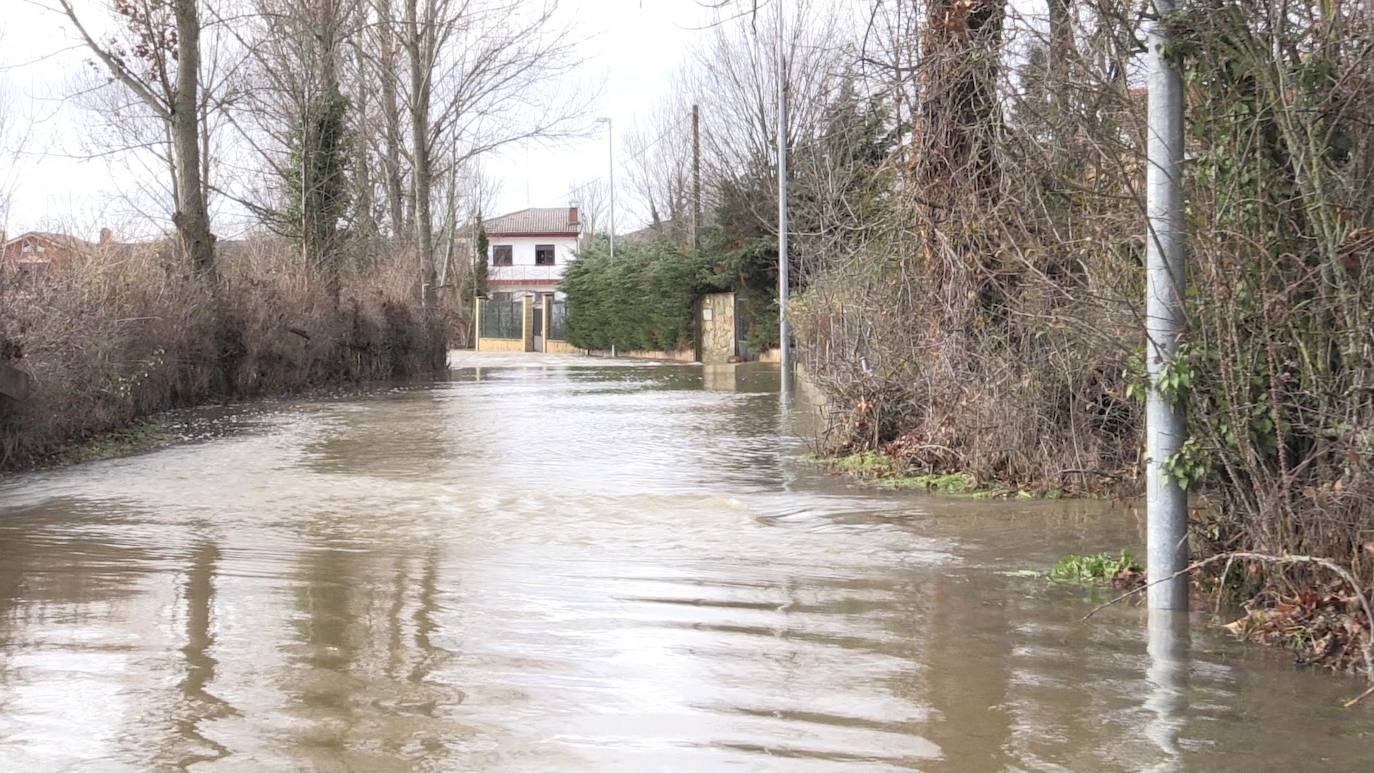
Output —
(1358, 698)
(1322, 562)
(1100, 473)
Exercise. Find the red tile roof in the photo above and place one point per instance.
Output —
(535, 220)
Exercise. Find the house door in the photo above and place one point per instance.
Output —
(538, 326)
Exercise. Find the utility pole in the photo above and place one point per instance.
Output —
(784, 350)
(1165, 428)
(610, 171)
(696, 178)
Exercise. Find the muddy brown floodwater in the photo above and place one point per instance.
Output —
(574, 565)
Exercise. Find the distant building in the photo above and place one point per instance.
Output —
(528, 250)
(39, 253)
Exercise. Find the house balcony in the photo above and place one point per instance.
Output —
(525, 274)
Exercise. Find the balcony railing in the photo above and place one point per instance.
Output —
(542, 273)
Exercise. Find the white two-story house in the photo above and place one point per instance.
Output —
(528, 250)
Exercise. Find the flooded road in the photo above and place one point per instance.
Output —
(589, 566)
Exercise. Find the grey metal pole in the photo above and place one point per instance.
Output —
(1165, 428)
(610, 161)
(784, 349)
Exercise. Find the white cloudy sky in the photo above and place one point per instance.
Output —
(631, 49)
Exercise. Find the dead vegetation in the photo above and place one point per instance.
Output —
(108, 341)
(983, 314)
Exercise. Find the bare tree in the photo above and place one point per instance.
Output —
(734, 80)
(421, 41)
(156, 57)
(386, 42)
(297, 108)
(477, 72)
(366, 226)
(659, 157)
(8, 154)
(1060, 48)
(467, 194)
(592, 199)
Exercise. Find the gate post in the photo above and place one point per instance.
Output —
(477, 324)
(527, 321)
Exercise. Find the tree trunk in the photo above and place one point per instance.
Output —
(1061, 48)
(192, 218)
(391, 114)
(365, 223)
(419, 129)
(959, 115)
(324, 152)
(954, 165)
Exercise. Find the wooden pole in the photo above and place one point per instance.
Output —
(696, 178)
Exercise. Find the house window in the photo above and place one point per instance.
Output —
(501, 255)
(543, 254)
(502, 297)
(32, 270)
(28, 247)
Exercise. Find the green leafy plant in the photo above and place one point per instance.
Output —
(1092, 569)
(947, 483)
(871, 464)
(1191, 465)
(1177, 375)
(1137, 378)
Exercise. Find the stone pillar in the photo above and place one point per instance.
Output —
(477, 324)
(527, 321)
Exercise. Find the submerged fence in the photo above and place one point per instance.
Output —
(558, 321)
(530, 324)
(502, 319)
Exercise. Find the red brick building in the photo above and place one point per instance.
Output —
(38, 253)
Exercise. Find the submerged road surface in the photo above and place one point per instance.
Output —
(560, 565)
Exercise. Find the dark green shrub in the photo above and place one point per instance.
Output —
(642, 299)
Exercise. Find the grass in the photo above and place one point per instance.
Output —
(125, 441)
(867, 464)
(888, 472)
(948, 483)
(1093, 569)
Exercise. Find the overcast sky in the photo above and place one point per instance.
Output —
(631, 50)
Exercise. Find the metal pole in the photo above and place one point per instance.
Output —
(784, 350)
(1165, 428)
(610, 162)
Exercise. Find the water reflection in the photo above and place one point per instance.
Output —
(1167, 676)
(605, 568)
(973, 725)
(199, 704)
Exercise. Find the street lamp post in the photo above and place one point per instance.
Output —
(1165, 428)
(610, 172)
(784, 349)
